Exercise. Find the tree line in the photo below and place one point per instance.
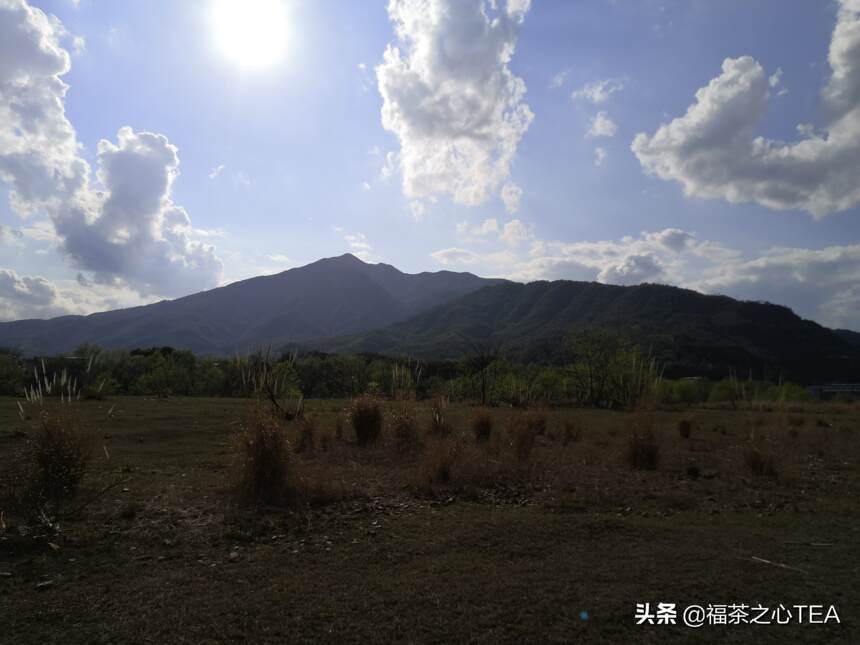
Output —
(603, 369)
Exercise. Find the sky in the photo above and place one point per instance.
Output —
(153, 149)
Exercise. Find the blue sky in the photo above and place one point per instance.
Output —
(281, 164)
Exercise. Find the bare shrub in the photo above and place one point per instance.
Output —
(439, 424)
(759, 462)
(365, 415)
(571, 432)
(523, 430)
(536, 422)
(437, 464)
(685, 428)
(50, 467)
(642, 451)
(482, 425)
(339, 422)
(308, 432)
(403, 430)
(264, 469)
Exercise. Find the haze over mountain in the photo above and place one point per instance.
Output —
(330, 297)
(688, 332)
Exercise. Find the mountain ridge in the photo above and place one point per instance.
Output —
(691, 334)
(329, 297)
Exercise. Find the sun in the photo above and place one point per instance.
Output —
(251, 33)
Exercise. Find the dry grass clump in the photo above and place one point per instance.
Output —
(685, 428)
(365, 415)
(481, 422)
(536, 421)
(642, 450)
(440, 426)
(404, 430)
(571, 432)
(308, 432)
(264, 468)
(523, 431)
(759, 462)
(458, 465)
(49, 469)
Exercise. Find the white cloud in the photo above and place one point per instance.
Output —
(599, 91)
(450, 97)
(512, 195)
(455, 255)
(37, 297)
(217, 170)
(124, 226)
(280, 259)
(559, 79)
(713, 152)
(601, 126)
(417, 209)
(515, 233)
(600, 155)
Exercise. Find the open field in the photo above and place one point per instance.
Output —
(511, 545)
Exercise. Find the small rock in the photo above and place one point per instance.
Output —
(234, 556)
(44, 584)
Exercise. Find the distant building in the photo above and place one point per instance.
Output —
(825, 392)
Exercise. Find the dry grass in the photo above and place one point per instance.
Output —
(265, 461)
(50, 467)
(365, 415)
(642, 450)
(481, 422)
(760, 462)
(440, 425)
(404, 430)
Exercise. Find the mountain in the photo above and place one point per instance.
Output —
(850, 337)
(331, 297)
(691, 334)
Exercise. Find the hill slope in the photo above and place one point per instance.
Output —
(330, 297)
(690, 333)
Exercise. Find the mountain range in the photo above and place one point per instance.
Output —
(344, 305)
(330, 297)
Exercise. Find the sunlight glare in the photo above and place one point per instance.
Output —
(251, 33)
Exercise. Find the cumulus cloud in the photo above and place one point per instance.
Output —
(713, 152)
(599, 91)
(600, 156)
(24, 296)
(515, 233)
(823, 284)
(121, 225)
(450, 98)
(601, 126)
(26, 290)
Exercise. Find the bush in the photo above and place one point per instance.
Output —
(307, 435)
(365, 415)
(642, 451)
(523, 431)
(536, 422)
(482, 425)
(685, 428)
(760, 464)
(405, 435)
(265, 460)
(50, 467)
(439, 425)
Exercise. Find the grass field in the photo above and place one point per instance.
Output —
(558, 545)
